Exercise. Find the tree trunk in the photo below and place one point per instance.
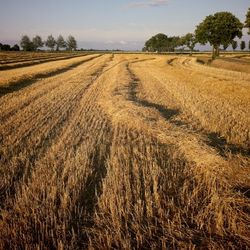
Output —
(191, 50)
(216, 51)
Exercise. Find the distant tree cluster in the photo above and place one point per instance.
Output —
(161, 43)
(219, 30)
(7, 47)
(36, 43)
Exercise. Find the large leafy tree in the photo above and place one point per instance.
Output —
(60, 43)
(190, 41)
(247, 22)
(37, 42)
(50, 42)
(71, 43)
(218, 29)
(26, 43)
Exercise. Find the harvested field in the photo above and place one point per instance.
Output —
(10, 60)
(240, 63)
(124, 151)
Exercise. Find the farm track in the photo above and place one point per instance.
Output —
(121, 152)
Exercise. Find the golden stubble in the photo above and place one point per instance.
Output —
(125, 152)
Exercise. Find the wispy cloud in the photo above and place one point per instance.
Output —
(147, 3)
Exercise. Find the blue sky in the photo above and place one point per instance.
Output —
(122, 24)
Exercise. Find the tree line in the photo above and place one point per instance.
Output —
(54, 44)
(219, 30)
(37, 43)
(7, 47)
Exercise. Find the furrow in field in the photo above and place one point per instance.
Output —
(159, 95)
(30, 62)
(127, 165)
(24, 141)
(19, 100)
(13, 80)
(191, 65)
(160, 177)
(72, 172)
(216, 104)
(9, 57)
(156, 94)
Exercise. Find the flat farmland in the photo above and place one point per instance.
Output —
(124, 151)
(10, 60)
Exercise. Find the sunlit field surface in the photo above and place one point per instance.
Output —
(124, 151)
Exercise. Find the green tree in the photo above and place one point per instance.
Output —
(60, 43)
(157, 43)
(247, 22)
(218, 29)
(190, 41)
(15, 47)
(6, 47)
(71, 43)
(26, 44)
(242, 45)
(173, 43)
(225, 46)
(37, 42)
(162, 43)
(234, 45)
(50, 42)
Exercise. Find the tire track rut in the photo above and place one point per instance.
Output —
(23, 81)
(35, 150)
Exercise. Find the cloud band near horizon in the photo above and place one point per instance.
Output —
(151, 3)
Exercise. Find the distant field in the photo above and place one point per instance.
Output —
(236, 62)
(10, 60)
(124, 151)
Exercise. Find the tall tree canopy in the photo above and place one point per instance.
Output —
(218, 29)
(60, 43)
(26, 44)
(71, 43)
(37, 42)
(51, 42)
(190, 41)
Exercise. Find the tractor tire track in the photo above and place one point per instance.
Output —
(48, 131)
(25, 80)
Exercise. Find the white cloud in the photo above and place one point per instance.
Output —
(123, 42)
(109, 42)
(148, 3)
